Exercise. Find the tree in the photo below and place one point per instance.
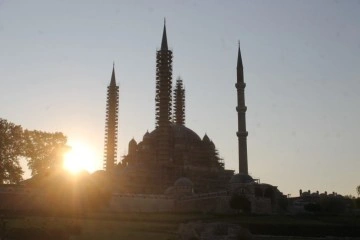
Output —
(44, 150)
(11, 143)
(358, 190)
(333, 205)
(312, 207)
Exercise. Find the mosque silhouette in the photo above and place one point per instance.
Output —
(172, 150)
(173, 161)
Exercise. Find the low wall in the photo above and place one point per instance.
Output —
(212, 202)
(141, 203)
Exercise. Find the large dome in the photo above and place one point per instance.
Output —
(180, 132)
(241, 178)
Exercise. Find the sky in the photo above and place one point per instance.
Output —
(301, 66)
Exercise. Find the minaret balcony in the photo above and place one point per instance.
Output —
(240, 85)
(241, 109)
(242, 134)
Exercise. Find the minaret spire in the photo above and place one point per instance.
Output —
(241, 110)
(113, 81)
(239, 61)
(111, 125)
(164, 45)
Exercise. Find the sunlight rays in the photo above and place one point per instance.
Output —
(80, 157)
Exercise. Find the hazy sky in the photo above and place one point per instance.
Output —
(301, 65)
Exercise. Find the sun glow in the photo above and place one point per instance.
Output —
(79, 158)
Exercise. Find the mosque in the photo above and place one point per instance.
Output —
(169, 152)
(172, 160)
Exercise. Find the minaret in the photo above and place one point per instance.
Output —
(241, 110)
(179, 103)
(111, 125)
(163, 98)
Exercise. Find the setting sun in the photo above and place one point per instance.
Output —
(80, 157)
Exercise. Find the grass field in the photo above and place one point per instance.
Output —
(111, 226)
(157, 226)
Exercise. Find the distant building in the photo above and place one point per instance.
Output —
(315, 202)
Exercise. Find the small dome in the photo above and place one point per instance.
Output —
(183, 182)
(241, 178)
(132, 142)
(132, 146)
(146, 135)
(206, 138)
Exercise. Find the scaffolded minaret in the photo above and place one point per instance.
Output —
(111, 125)
(179, 103)
(241, 110)
(163, 99)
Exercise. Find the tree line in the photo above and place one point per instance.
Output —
(42, 150)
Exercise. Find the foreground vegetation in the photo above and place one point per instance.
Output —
(164, 226)
(42, 150)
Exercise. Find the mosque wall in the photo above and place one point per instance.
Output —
(215, 203)
(26, 199)
(261, 205)
(141, 203)
(218, 204)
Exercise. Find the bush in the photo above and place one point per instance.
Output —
(312, 207)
